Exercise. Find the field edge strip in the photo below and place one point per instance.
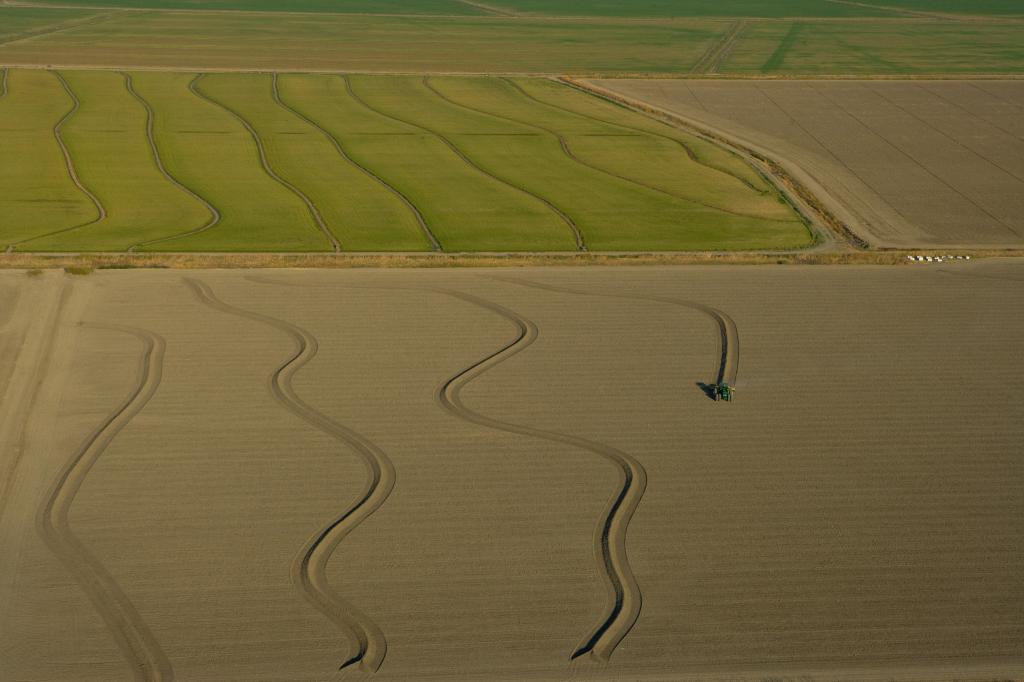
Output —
(69, 165)
(215, 215)
(309, 568)
(610, 539)
(310, 205)
(417, 214)
(133, 636)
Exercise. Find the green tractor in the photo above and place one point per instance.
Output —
(723, 391)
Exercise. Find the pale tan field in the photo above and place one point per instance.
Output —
(911, 163)
(857, 513)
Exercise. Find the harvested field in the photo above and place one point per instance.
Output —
(907, 163)
(163, 161)
(856, 514)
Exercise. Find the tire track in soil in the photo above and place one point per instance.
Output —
(577, 236)
(3, 83)
(567, 151)
(143, 653)
(150, 118)
(417, 214)
(692, 155)
(728, 332)
(69, 164)
(610, 539)
(309, 568)
(711, 60)
(313, 210)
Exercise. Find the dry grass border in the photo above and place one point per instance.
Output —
(430, 260)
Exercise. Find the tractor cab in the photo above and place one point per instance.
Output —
(723, 391)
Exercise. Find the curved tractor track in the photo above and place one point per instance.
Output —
(314, 212)
(69, 164)
(215, 216)
(571, 155)
(729, 337)
(417, 214)
(569, 222)
(626, 600)
(309, 569)
(136, 641)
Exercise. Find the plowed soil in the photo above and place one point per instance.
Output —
(172, 451)
(914, 163)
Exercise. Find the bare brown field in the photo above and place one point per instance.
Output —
(198, 474)
(909, 163)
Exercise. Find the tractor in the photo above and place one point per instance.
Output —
(723, 391)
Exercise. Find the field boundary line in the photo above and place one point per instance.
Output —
(310, 206)
(577, 233)
(133, 636)
(417, 214)
(574, 84)
(792, 188)
(610, 539)
(568, 151)
(580, 245)
(150, 118)
(69, 165)
(309, 570)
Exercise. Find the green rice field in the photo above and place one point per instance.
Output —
(167, 161)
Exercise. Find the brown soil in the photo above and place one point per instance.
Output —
(855, 514)
(908, 163)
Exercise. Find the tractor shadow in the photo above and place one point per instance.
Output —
(708, 389)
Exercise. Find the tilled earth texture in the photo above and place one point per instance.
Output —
(913, 163)
(515, 474)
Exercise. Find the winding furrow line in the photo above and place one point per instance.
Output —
(101, 212)
(434, 243)
(577, 235)
(610, 540)
(729, 338)
(313, 210)
(136, 641)
(309, 571)
(692, 155)
(567, 150)
(150, 118)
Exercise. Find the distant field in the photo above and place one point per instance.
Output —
(250, 162)
(22, 22)
(896, 47)
(916, 163)
(602, 8)
(602, 46)
(365, 43)
(445, 7)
